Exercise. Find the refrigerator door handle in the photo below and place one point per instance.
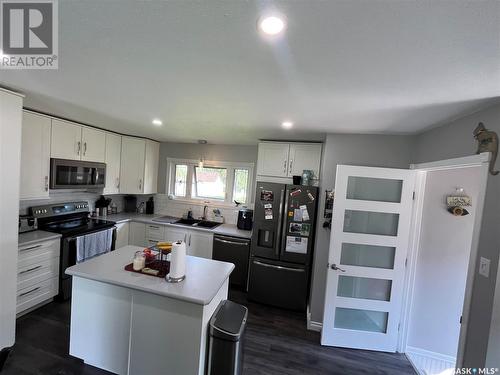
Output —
(285, 221)
(280, 220)
(279, 267)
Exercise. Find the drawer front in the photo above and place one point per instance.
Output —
(31, 296)
(37, 252)
(155, 232)
(33, 274)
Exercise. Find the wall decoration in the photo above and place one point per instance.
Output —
(487, 142)
(457, 202)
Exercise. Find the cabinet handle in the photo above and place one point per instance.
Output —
(154, 227)
(84, 148)
(79, 147)
(28, 292)
(185, 237)
(291, 163)
(31, 269)
(284, 166)
(140, 184)
(30, 248)
(46, 183)
(189, 239)
(117, 182)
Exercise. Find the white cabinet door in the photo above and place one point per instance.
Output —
(151, 167)
(173, 234)
(93, 145)
(137, 234)
(66, 140)
(112, 160)
(132, 165)
(273, 159)
(35, 156)
(122, 235)
(304, 156)
(200, 244)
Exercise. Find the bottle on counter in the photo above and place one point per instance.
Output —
(139, 261)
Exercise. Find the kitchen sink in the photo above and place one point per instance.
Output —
(198, 223)
(189, 222)
(207, 224)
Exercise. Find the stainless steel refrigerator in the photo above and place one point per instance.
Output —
(282, 244)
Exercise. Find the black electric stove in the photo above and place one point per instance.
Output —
(71, 220)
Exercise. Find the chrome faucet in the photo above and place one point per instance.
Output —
(204, 217)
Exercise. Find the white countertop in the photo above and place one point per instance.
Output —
(29, 238)
(224, 229)
(204, 277)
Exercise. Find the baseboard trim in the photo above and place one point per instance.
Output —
(426, 362)
(312, 325)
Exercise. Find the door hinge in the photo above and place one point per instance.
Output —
(406, 262)
(399, 327)
(414, 196)
(460, 319)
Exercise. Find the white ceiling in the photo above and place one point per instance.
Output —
(201, 66)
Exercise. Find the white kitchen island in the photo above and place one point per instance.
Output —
(129, 323)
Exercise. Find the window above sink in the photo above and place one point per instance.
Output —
(215, 182)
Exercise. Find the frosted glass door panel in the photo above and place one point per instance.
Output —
(374, 189)
(367, 255)
(360, 320)
(371, 222)
(364, 287)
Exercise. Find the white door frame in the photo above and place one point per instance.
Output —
(481, 160)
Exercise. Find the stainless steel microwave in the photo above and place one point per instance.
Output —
(75, 174)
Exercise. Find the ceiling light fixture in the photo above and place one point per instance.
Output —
(272, 25)
(287, 124)
(157, 122)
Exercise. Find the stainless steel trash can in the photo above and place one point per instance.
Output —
(227, 327)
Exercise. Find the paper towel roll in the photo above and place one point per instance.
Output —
(178, 260)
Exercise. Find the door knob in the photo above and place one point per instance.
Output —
(334, 267)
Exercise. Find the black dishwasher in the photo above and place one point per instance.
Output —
(237, 251)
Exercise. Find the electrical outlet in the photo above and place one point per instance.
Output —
(484, 267)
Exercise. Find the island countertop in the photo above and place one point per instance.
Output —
(204, 277)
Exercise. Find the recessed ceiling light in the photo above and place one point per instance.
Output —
(287, 124)
(157, 122)
(272, 25)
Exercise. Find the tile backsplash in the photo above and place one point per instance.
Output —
(166, 206)
(163, 205)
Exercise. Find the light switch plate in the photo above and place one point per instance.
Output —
(484, 267)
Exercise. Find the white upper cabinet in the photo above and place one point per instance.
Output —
(35, 156)
(76, 142)
(112, 160)
(139, 166)
(304, 156)
(273, 159)
(93, 145)
(132, 165)
(151, 167)
(279, 161)
(66, 141)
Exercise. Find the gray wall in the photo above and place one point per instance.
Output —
(231, 153)
(366, 150)
(455, 140)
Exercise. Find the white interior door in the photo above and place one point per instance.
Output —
(368, 247)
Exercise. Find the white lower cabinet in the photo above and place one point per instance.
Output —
(198, 243)
(37, 274)
(137, 234)
(122, 235)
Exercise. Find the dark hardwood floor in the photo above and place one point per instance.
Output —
(276, 342)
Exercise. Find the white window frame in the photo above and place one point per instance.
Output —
(191, 163)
